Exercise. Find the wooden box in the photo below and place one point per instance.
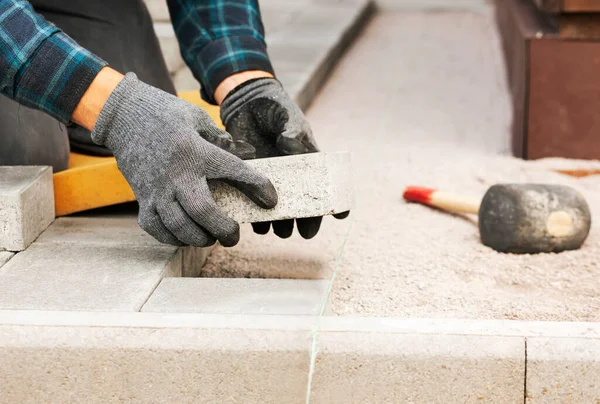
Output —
(554, 77)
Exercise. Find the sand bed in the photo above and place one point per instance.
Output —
(422, 99)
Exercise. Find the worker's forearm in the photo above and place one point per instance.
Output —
(88, 109)
(235, 80)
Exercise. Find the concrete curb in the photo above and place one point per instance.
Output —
(434, 5)
(320, 71)
(265, 358)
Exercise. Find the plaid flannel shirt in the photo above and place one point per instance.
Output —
(43, 68)
(40, 66)
(218, 38)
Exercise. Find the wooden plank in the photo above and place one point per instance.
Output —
(519, 22)
(579, 25)
(581, 6)
(569, 6)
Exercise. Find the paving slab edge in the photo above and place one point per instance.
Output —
(506, 328)
(495, 360)
(317, 78)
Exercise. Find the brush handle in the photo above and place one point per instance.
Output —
(442, 200)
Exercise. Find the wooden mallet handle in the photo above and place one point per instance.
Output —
(442, 200)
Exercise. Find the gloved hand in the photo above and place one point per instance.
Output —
(167, 150)
(260, 112)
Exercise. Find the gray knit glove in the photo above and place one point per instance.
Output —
(167, 150)
(261, 113)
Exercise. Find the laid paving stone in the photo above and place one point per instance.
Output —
(193, 260)
(117, 231)
(306, 50)
(308, 185)
(563, 370)
(5, 256)
(103, 231)
(238, 296)
(363, 367)
(26, 205)
(153, 364)
(85, 277)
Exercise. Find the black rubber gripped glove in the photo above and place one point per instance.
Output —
(261, 113)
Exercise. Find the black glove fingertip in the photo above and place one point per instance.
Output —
(309, 227)
(342, 215)
(283, 228)
(261, 228)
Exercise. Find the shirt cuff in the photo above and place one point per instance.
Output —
(57, 76)
(225, 56)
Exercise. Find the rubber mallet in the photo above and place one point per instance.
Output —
(519, 218)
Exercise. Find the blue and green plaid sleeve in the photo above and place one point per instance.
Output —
(219, 38)
(40, 66)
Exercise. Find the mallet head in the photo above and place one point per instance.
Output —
(533, 218)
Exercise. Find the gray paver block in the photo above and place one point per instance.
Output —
(26, 205)
(117, 232)
(308, 48)
(184, 80)
(308, 185)
(238, 296)
(194, 259)
(85, 277)
(563, 370)
(367, 367)
(153, 365)
(5, 256)
(102, 231)
(169, 46)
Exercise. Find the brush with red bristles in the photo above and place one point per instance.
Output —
(442, 200)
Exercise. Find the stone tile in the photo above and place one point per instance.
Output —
(355, 367)
(102, 231)
(85, 277)
(5, 256)
(436, 5)
(238, 296)
(184, 80)
(308, 185)
(194, 259)
(563, 370)
(26, 205)
(310, 46)
(158, 10)
(153, 365)
(169, 46)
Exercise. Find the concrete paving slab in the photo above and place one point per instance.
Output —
(194, 259)
(5, 256)
(238, 296)
(306, 50)
(153, 365)
(434, 5)
(563, 370)
(26, 205)
(85, 277)
(307, 185)
(116, 231)
(101, 231)
(184, 356)
(391, 368)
